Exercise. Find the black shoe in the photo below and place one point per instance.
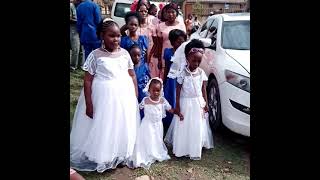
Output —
(121, 165)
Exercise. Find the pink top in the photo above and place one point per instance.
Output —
(149, 30)
(163, 31)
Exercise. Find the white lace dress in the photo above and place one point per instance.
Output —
(149, 145)
(190, 135)
(108, 139)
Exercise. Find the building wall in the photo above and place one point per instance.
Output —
(207, 7)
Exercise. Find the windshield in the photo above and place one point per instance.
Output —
(236, 35)
(121, 9)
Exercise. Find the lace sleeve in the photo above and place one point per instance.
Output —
(166, 105)
(90, 64)
(181, 77)
(141, 105)
(130, 63)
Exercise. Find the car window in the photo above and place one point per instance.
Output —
(204, 29)
(121, 9)
(236, 35)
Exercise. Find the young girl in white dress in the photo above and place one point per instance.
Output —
(106, 118)
(149, 144)
(189, 133)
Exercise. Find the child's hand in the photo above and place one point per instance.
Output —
(89, 111)
(177, 112)
(206, 109)
(181, 116)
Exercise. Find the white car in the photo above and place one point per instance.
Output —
(227, 65)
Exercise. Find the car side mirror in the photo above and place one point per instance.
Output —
(212, 29)
(206, 42)
(213, 46)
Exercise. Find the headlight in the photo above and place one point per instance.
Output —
(238, 80)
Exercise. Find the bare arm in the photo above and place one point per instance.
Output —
(123, 30)
(177, 110)
(166, 71)
(134, 79)
(153, 49)
(204, 94)
(160, 46)
(88, 78)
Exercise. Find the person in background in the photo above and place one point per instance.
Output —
(170, 11)
(88, 19)
(74, 38)
(153, 10)
(196, 22)
(188, 23)
(142, 71)
(195, 25)
(176, 37)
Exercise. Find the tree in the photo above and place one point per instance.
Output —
(198, 8)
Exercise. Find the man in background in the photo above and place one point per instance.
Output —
(88, 18)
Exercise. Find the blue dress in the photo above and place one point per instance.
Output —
(143, 76)
(142, 70)
(169, 88)
(142, 42)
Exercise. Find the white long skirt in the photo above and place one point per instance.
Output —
(149, 145)
(189, 136)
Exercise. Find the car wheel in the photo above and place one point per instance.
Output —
(214, 104)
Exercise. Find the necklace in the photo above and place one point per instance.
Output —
(192, 73)
(105, 50)
(156, 102)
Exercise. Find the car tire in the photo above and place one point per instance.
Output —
(214, 104)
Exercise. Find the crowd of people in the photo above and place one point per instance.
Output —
(142, 83)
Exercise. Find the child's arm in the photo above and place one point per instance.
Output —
(87, 94)
(177, 110)
(204, 94)
(167, 106)
(134, 79)
(123, 30)
(166, 71)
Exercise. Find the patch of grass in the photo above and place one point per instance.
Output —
(76, 84)
(228, 160)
